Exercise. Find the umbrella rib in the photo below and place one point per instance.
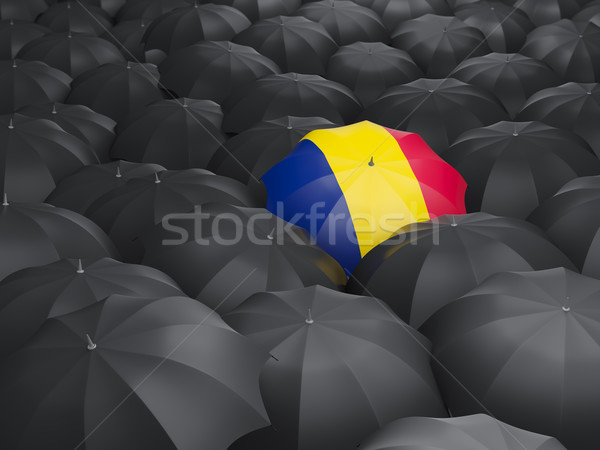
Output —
(433, 357)
(162, 361)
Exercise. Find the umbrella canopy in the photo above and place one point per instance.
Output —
(542, 372)
(30, 296)
(345, 21)
(221, 254)
(127, 212)
(341, 366)
(78, 191)
(353, 186)
(33, 234)
(589, 13)
(191, 24)
(177, 133)
(511, 167)
(262, 9)
(572, 106)
(393, 12)
(438, 110)
(504, 27)
(110, 7)
(439, 43)
(213, 69)
(128, 36)
(296, 44)
(369, 68)
(570, 218)
(549, 11)
(430, 264)
(103, 377)
(116, 90)
(291, 94)
(249, 155)
(25, 83)
(571, 49)
(148, 9)
(22, 9)
(92, 128)
(511, 77)
(70, 52)
(475, 432)
(75, 17)
(15, 34)
(35, 155)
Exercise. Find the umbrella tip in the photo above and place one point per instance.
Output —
(129, 64)
(12, 22)
(309, 320)
(5, 199)
(370, 51)
(54, 108)
(185, 104)
(80, 266)
(14, 64)
(589, 92)
(445, 29)
(507, 58)
(229, 47)
(156, 178)
(91, 345)
(118, 174)
(453, 224)
(371, 162)
(10, 124)
(567, 306)
(271, 235)
(70, 35)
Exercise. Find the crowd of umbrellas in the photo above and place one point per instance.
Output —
(120, 329)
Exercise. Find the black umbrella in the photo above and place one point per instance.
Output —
(249, 155)
(439, 43)
(573, 106)
(78, 191)
(25, 83)
(31, 296)
(127, 36)
(296, 44)
(571, 220)
(369, 68)
(191, 24)
(504, 27)
(148, 9)
(261, 9)
(178, 134)
(430, 264)
(475, 432)
(22, 9)
(291, 94)
(511, 167)
(438, 110)
(395, 12)
(571, 49)
(72, 53)
(75, 17)
(32, 234)
(589, 13)
(110, 7)
(512, 77)
(221, 254)
(36, 154)
(92, 128)
(548, 11)
(524, 346)
(341, 366)
(15, 34)
(116, 90)
(212, 70)
(345, 21)
(132, 372)
(127, 212)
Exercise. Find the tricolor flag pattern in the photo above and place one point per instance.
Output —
(352, 187)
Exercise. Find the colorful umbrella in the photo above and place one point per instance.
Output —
(353, 186)
(341, 366)
(475, 432)
(524, 346)
(31, 296)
